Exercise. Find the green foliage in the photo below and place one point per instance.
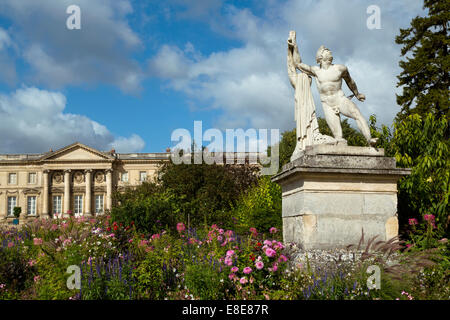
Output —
(17, 211)
(205, 281)
(148, 208)
(205, 193)
(260, 207)
(15, 273)
(425, 77)
(420, 144)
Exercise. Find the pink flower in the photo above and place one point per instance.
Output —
(54, 227)
(180, 227)
(409, 245)
(274, 268)
(37, 241)
(31, 262)
(413, 221)
(429, 217)
(228, 233)
(234, 269)
(228, 261)
(270, 252)
(253, 231)
(221, 231)
(219, 238)
(243, 280)
(282, 258)
(130, 241)
(247, 270)
(273, 230)
(155, 236)
(214, 227)
(36, 278)
(230, 253)
(267, 243)
(259, 265)
(10, 244)
(231, 276)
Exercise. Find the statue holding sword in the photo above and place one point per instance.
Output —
(328, 78)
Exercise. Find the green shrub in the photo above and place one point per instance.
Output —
(260, 207)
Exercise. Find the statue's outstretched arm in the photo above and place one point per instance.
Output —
(351, 84)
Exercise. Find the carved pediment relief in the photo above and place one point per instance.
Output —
(57, 190)
(76, 152)
(31, 191)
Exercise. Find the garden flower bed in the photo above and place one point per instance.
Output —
(117, 262)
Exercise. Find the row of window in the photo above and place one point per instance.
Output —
(57, 205)
(142, 176)
(32, 178)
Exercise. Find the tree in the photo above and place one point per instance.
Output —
(419, 144)
(425, 77)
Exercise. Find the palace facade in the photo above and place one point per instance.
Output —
(75, 179)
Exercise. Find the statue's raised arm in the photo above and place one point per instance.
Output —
(294, 56)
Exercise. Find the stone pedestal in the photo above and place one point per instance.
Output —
(332, 193)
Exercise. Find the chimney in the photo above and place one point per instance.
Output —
(167, 149)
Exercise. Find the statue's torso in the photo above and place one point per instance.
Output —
(329, 81)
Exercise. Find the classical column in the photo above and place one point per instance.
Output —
(108, 189)
(66, 191)
(45, 194)
(88, 182)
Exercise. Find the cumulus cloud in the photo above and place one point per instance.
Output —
(249, 84)
(100, 52)
(33, 121)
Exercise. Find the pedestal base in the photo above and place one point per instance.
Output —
(330, 194)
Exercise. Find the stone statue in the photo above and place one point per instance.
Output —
(307, 129)
(329, 83)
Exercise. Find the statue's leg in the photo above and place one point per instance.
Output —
(333, 121)
(351, 110)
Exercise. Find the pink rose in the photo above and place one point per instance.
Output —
(247, 270)
(234, 269)
(243, 280)
(259, 265)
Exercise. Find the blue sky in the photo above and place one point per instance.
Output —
(138, 70)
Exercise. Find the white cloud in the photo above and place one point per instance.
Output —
(33, 121)
(100, 52)
(250, 85)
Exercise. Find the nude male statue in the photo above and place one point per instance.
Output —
(329, 83)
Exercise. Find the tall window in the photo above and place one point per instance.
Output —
(143, 175)
(12, 201)
(32, 178)
(57, 204)
(99, 204)
(78, 205)
(31, 205)
(12, 178)
(124, 177)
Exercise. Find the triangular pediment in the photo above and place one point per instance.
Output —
(77, 152)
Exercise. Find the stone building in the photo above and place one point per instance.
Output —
(76, 179)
